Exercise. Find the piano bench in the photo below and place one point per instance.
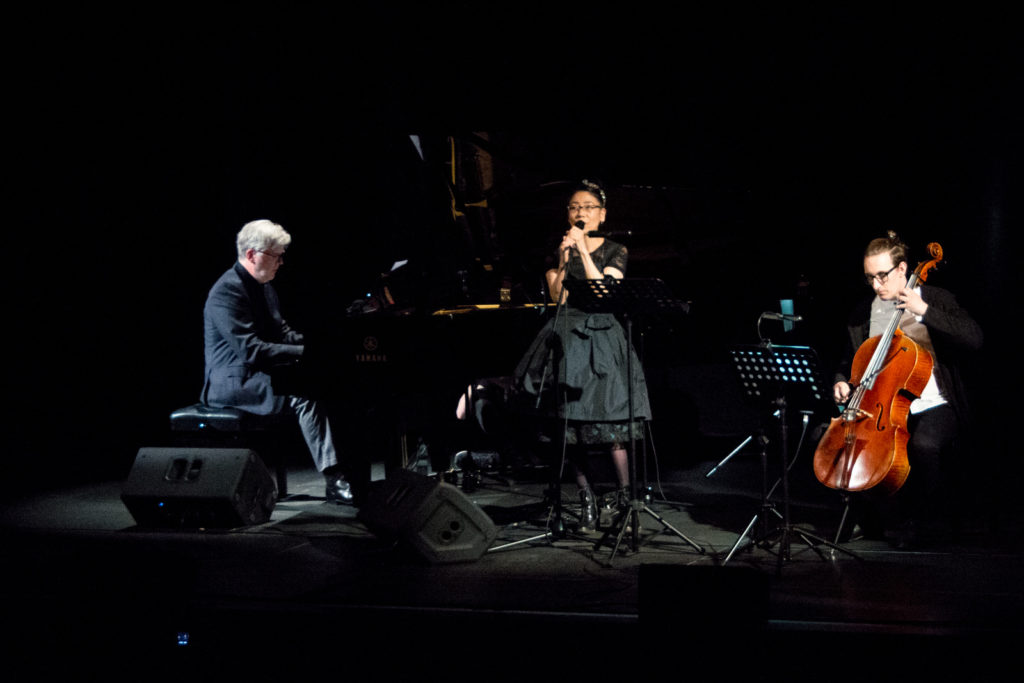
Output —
(203, 426)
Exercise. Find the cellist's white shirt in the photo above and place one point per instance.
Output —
(881, 315)
(930, 397)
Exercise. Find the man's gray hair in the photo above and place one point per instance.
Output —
(261, 235)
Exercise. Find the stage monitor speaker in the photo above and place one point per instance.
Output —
(434, 517)
(199, 488)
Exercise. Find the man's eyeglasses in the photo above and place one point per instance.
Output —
(583, 207)
(276, 257)
(881, 277)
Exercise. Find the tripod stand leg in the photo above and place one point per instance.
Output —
(545, 535)
(842, 520)
(784, 550)
(618, 537)
(808, 538)
(674, 530)
(739, 540)
(622, 521)
(554, 523)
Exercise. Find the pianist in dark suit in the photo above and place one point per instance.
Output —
(577, 365)
(245, 337)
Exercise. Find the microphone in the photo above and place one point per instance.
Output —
(611, 233)
(580, 225)
(769, 315)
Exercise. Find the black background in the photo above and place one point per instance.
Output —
(757, 148)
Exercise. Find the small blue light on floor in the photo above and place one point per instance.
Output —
(183, 638)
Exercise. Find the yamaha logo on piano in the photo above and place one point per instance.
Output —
(370, 347)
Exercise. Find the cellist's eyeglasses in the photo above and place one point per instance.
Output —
(881, 277)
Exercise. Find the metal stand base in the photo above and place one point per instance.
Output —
(785, 533)
(555, 524)
(786, 530)
(628, 518)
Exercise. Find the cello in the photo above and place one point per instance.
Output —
(866, 446)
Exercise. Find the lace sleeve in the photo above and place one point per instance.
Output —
(617, 258)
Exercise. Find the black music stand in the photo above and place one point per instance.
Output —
(771, 376)
(626, 298)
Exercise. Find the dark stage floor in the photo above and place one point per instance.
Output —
(313, 591)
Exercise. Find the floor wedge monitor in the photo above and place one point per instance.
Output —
(199, 488)
(435, 518)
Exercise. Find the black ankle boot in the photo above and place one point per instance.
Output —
(625, 497)
(588, 509)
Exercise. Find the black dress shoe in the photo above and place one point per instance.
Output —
(339, 491)
(905, 537)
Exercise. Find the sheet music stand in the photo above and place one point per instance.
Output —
(626, 298)
(773, 375)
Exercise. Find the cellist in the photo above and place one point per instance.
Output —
(932, 318)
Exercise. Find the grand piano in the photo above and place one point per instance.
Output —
(461, 302)
(395, 372)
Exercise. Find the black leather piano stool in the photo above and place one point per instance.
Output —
(203, 426)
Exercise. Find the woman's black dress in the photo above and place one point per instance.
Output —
(584, 356)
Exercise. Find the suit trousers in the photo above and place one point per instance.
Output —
(932, 436)
(316, 430)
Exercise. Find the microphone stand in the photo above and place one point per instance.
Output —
(555, 524)
(616, 296)
(559, 307)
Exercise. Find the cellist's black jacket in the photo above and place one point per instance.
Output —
(954, 334)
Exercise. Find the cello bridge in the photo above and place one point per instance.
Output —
(856, 414)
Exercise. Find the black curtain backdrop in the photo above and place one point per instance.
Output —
(767, 146)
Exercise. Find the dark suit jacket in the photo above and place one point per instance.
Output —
(953, 332)
(244, 337)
